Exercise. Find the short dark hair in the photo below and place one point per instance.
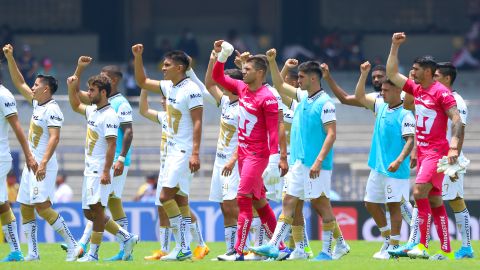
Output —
(50, 81)
(447, 69)
(292, 73)
(234, 73)
(380, 68)
(113, 70)
(311, 67)
(259, 62)
(179, 57)
(426, 62)
(388, 81)
(102, 82)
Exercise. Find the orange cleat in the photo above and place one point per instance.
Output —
(157, 255)
(200, 252)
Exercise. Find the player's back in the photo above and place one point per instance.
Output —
(228, 136)
(8, 108)
(125, 115)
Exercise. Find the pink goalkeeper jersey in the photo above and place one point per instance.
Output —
(431, 105)
(258, 116)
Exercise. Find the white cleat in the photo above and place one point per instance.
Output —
(129, 245)
(340, 250)
(297, 255)
(31, 257)
(74, 253)
(87, 258)
(382, 255)
(172, 256)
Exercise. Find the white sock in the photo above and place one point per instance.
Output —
(61, 228)
(30, 231)
(387, 216)
(281, 230)
(123, 223)
(395, 237)
(122, 235)
(87, 233)
(197, 234)
(93, 251)
(255, 230)
(327, 237)
(300, 245)
(406, 209)
(11, 235)
(414, 237)
(185, 236)
(306, 242)
(463, 225)
(175, 226)
(165, 239)
(230, 237)
(386, 239)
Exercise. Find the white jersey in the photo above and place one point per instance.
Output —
(8, 107)
(181, 99)
(287, 121)
(45, 116)
(162, 120)
(281, 106)
(462, 110)
(228, 138)
(102, 123)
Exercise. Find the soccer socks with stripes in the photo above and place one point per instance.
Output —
(230, 233)
(175, 218)
(281, 230)
(164, 236)
(414, 237)
(327, 237)
(406, 210)
(59, 225)
(30, 229)
(424, 220)
(462, 219)
(95, 242)
(9, 228)
(385, 232)
(123, 223)
(197, 234)
(441, 224)
(87, 233)
(297, 237)
(118, 215)
(244, 221)
(337, 234)
(255, 228)
(115, 229)
(185, 235)
(267, 216)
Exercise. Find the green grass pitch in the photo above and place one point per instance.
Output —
(360, 257)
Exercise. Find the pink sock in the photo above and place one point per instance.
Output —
(440, 219)
(244, 221)
(424, 219)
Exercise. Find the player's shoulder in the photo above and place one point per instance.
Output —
(5, 92)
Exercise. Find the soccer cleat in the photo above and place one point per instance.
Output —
(14, 256)
(442, 255)
(322, 256)
(88, 258)
(84, 248)
(231, 257)
(464, 253)
(200, 252)
(30, 258)
(284, 254)
(297, 255)
(308, 250)
(402, 250)
(253, 257)
(118, 257)
(172, 256)
(382, 255)
(184, 255)
(340, 250)
(74, 253)
(129, 245)
(378, 254)
(157, 255)
(419, 251)
(266, 250)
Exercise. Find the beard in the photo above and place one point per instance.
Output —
(377, 88)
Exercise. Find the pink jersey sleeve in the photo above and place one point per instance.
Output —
(270, 108)
(447, 100)
(225, 81)
(409, 87)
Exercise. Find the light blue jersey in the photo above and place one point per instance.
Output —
(391, 128)
(308, 132)
(124, 112)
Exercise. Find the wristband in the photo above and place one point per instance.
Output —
(121, 159)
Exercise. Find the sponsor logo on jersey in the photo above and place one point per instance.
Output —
(248, 105)
(198, 95)
(270, 102)
(10, 104)
(90, 122)
(329, 111)
(409, 124)
(126, 113)
(54, 117)
(35, 117)
(112, 126)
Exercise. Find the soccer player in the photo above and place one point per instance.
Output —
(122, 150)
(225, 176)
(102, 130)
(434, 105)
(184, 117)
(311, 159)
(37, 188)
(389, 160)
(8, 116)
(453, 188)
(258, 147)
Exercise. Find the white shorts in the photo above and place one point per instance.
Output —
(223, 188)
(300, 184)
(5, 167)
(159, 182)
(383, 189)
(94, 192)
(118, 183)
(32, 191)
(275, 192)
(452, 190)
(176, 172)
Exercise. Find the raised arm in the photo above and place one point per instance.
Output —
(365, 100)
(224, 50)
(338, 91)
(142, 80)
(82, 63)
(73, 89)
(392, 62)
(16, 75)
(205, 93)
(209, 82)
(145, 109)
(282, 87)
